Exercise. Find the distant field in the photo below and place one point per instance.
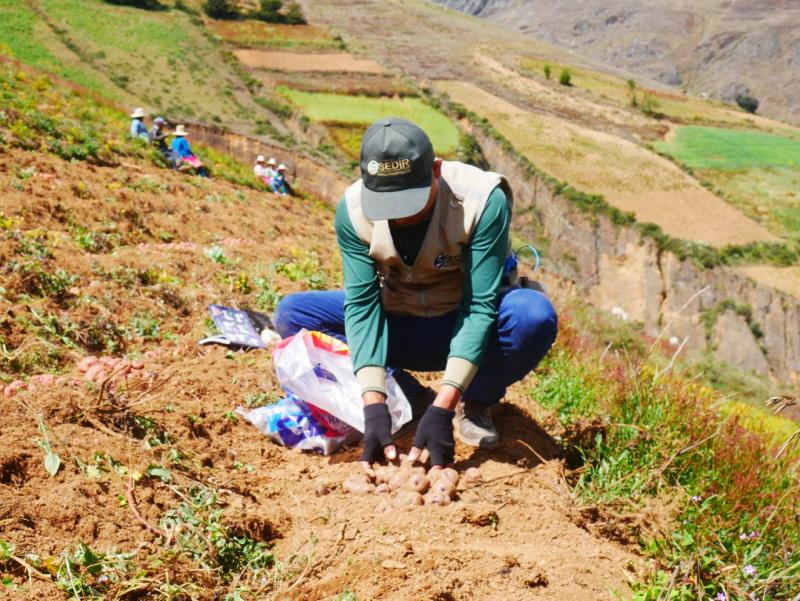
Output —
(758, 173)
(162, 60)
(718, 148)
(339, 109)
(628, 176)
(258, 34)
(313, 62)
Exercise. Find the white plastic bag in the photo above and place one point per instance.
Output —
(318, 369)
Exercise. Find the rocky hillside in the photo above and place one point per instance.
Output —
(720, 48)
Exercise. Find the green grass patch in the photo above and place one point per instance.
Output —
(757, 173)
(362, 110)
(719, 148)
(644, 433)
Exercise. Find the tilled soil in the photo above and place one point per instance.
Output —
(516, 534)
(296, 61)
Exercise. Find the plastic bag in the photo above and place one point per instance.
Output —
(298, 425)
(317, 368)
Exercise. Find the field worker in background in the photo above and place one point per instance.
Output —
(260, 169)
(271, 169)
(138, 128)
(278, 181)
(158, 138)
(183, 152)
(425, 249)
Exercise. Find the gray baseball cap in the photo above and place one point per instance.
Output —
(396, 169)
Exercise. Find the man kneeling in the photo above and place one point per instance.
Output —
(430, 285)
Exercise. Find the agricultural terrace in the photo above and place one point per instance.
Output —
(348, 116)
(758, 173)
(339, 62)
(630, 177)
(675, 106)
(258, 34)
(136, 57)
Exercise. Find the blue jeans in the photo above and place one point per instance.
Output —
(525, 330)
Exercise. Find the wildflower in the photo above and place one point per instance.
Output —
(743, 536)
(749, 570)
(753, 535)
(721, 596)
(697, 499)
(102, 579)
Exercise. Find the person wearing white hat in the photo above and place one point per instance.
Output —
(260, 169)
(183, 152)
(138, 128)
(278, 181)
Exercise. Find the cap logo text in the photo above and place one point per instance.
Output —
(389, 168)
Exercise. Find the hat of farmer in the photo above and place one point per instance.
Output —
(260, 158)
(396, 169)
(138, 113)
(159, 121)
(281, 167)
(180, 130)
(271, 162)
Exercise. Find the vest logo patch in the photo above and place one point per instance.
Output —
(442, 261)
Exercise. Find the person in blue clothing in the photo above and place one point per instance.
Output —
(183, 154)
(278, 181)
(138, 128)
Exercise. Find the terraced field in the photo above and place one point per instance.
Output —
(627, 175)
(340, 62)
(350, 115)
(758, 173)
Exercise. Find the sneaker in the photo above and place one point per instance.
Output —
(474, 425)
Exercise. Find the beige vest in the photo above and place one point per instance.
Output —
(434, 285)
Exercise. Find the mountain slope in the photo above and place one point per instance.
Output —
(722, 48)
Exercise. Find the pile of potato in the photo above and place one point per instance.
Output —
(408, 485)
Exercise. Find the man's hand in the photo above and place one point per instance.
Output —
(435, 433)
(377, 432)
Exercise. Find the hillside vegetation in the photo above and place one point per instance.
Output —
(617, 477)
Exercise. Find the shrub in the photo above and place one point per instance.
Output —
(747, 103)
(547, 71)
(650, 105)
(294, 14)
(221, 9)
(269, 11)
(565, 79)
(143, 4)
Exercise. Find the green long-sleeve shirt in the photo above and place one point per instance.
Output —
(365, 320)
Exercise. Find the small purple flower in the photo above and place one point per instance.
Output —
(753, 535)
(743, 536)
(102, 579)
(721, 596)
(697, 498)
(749, 570)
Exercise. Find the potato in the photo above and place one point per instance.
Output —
(437, 498)
(407, 498)
(443, 486)
(417, 482)
(382, 488)
(448, 473)
(321, 488)
(86, 363)
(358, 485)
(398, 479)
(91, 373)
(137, 365)
(384, 473)
(473, 474)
